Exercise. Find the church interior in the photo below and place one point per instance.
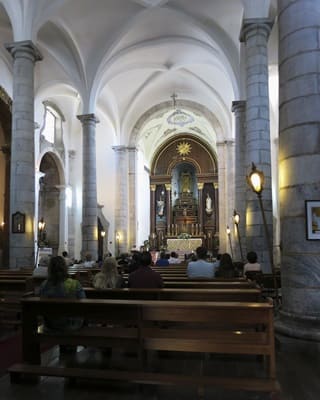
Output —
(129, 125)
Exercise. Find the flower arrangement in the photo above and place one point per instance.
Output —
(184, 235)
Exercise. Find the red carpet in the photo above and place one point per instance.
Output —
(10, 352)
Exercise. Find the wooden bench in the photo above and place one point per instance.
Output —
(251, 294)
(232, 328)
(208, 284)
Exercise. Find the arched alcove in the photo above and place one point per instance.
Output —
(49, 207)
(184, 194)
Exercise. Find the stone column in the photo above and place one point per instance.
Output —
(255, 34)
(299, 163)
(63, 220)
(200, 207)
(152, 208)
(122, 197)
(132, 154)
(89, 186)
(22, 182)
(168, 207)
(238, 108)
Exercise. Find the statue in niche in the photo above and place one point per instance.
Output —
(160, 207)
(186, 182)
(209, 204)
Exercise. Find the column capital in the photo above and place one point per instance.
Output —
(119, 149)
(88, 118)
(24, 48)
(238, 106)
(168, 186)
(200, 185)
(264, 25)
(153, 188)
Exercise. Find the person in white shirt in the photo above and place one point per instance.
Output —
(174, 258)
(252, 264)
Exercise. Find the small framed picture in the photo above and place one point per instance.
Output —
(18, 222)
(313, 219)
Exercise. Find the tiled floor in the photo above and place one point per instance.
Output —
(298, 370)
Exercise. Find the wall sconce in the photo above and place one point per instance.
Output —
(236, 220)
(41, 232)
(229, 236)
(103, 234)
(118, 237)
(256, 181)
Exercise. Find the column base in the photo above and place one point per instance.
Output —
(298, 326)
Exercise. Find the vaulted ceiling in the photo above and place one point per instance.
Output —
(123, 59)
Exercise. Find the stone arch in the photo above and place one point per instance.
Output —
(51, 201)
(184, 169)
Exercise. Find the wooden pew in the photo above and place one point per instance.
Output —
(208, 284)
(11, 292)
(237, 328)
(246, 295)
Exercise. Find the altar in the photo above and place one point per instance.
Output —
(183, 245)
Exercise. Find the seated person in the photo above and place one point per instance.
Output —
(252, 264)
(226, 268)
(135, 261)
(145, 276)
(163, 260)
(252, 269)
(59, 284)
(174, 258)
(88, 263)
(200, 268)
(68, 260)
(109, 277)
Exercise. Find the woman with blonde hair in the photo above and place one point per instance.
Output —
(108, 278)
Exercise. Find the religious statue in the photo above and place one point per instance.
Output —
(160, 207)
(208, 204)
(185, 182)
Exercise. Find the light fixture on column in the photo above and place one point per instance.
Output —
(103, 234)
(229, 236)
(118, 237)
(41, 232)
(256, 181)
(236, 220)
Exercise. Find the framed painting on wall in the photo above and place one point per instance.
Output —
(313, 219)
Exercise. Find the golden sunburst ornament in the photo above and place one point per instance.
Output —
(184, 148)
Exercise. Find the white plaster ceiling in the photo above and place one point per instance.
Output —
(125, 57)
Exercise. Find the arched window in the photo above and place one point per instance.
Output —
(52, 126)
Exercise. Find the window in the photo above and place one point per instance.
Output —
(49, 126)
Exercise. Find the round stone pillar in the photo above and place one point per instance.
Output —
(238, 108)
(22, 179)
(255, 34)
(89, 187)
(299, 164)
(122, 199)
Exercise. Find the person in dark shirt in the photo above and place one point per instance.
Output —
(144, 276)
(163, 260)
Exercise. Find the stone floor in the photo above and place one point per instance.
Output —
(298, 370)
